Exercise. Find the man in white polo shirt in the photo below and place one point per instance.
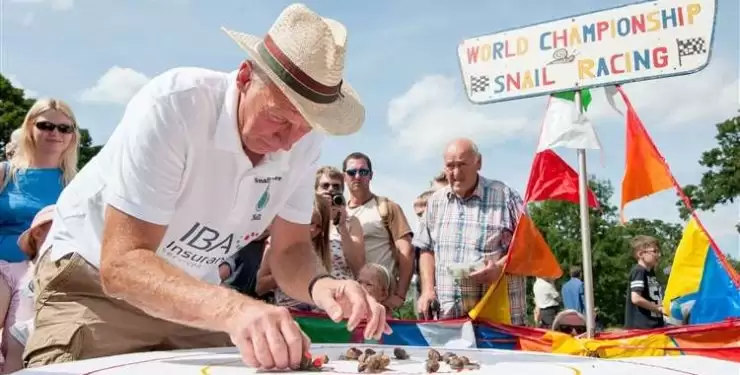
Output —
(201, 163)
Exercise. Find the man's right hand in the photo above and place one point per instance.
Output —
(268, 337)
(424, 303)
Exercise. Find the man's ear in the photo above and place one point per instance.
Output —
(244, 75)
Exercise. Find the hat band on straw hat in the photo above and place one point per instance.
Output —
(294, 77)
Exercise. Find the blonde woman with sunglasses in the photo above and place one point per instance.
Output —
(43, 161)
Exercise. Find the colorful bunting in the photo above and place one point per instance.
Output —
(566, 126)
(571, 96)
(646, 172)
(551, 178)
(702, 286)
(529, 254)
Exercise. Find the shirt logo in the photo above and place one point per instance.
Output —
(264, 199)
(266, 180)
(200, 246)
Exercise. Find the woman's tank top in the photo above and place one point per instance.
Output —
(25, 195)
(339, 266)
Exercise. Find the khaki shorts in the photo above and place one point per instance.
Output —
(75, 320)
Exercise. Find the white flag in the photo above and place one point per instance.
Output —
(565, 126)
(611, 92)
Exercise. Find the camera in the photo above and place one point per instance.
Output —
(337, 199)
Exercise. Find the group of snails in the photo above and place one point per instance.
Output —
(372, 362)
(451, 359)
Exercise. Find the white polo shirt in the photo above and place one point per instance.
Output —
(176, 159)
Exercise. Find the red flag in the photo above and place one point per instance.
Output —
(646, 172)
(552, 178)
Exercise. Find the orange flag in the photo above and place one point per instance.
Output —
(646, 172)
(529, 254)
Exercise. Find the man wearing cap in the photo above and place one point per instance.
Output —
(201, 163)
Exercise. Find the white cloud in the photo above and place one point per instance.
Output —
(700, 98)
(435, 110)
(54, 4)
(17, 84)
(116, 86)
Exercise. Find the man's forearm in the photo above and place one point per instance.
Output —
(426, 272)
(645, 304)
(145, 280)
(405, 270)
(353, 252)
(294, 268)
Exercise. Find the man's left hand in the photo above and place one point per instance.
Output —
(490, 272)
(342, 299)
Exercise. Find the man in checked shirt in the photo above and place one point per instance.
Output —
(472, 218)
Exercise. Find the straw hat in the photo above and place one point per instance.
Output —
(303, 54)
(42, 217)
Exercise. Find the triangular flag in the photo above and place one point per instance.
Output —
(494, 306)
(702, 278)
(646, 172)
(566, 126)
(571, 96)
(551, 178)
(688, 264)
(611, 92)
(529, 254)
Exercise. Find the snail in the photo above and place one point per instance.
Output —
(399, 353)
(351, 354)
(431, 366)
(433, 354)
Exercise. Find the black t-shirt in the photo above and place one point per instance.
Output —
(644, 282)
(248, 262)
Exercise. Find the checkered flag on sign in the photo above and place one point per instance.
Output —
(479, 83)
(691, 46)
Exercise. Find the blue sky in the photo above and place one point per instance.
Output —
(402, 59)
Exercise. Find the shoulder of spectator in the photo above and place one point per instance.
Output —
(398, 221)
(438, 198)
(510, 193)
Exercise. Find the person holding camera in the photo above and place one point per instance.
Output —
(346, 238)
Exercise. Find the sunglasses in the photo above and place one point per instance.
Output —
(50, 126)
(326, 186)
(354, 172)
(567, 328)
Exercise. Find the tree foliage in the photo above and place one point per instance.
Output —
(611, 256)
(720, 184)
(13, 108)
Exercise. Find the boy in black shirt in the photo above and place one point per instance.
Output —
(644, 293)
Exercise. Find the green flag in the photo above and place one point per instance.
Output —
(571, 96)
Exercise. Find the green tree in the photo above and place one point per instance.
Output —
(734, 263)
(13, 108)
(611, 257)
(720, 184)
(87, 150)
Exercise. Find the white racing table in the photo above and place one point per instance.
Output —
(226, 361)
